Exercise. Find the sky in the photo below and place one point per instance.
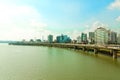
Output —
(36, 19)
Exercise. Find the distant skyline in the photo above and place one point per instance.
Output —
(26, 19)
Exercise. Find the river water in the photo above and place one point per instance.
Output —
(48, 63)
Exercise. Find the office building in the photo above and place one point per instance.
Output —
(50, 38)
(101, 36)
(63, 39)
(118, 39)
(84, 38)
(91, 37)
(112, 37)
(78, 39)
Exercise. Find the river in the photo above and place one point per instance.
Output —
(49, 63)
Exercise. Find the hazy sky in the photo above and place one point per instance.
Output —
(25, 19)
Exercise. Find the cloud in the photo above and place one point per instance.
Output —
(18, 22)
(89, 28)
(118, 19)
(96, 25)
(115, 5)
(74, 34)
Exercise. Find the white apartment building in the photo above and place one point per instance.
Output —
(101, 36)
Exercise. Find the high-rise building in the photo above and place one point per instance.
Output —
(58, 39)
(118, 39)
(50, 38)
(101, 36)
(78, 39)
(63, 39)
(112, 37)
(84, 38)
(91, 37)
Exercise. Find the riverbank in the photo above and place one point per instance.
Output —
(114, 52)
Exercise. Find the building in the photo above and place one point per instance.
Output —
(118, 39)
(58, 39)
(112, 37)
(91, 37)
(50, 38)
(78, 39)
(84, 38)
(38, 40)
(63, 39)
(101, 36)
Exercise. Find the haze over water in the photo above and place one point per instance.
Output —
(49, 63)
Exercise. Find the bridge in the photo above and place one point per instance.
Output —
(108, 50)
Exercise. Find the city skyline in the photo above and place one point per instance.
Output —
(26, 19)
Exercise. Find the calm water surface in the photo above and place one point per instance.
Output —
(44, 63)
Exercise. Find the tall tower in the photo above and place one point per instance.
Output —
(101, 36)
(84, 38)
(118, 39)
(112, 37)
(50, 38)
(92, 37)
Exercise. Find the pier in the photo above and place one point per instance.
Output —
(107, 50)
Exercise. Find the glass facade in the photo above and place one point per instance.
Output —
(63, 39)
(84, 38)
(50, 38)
